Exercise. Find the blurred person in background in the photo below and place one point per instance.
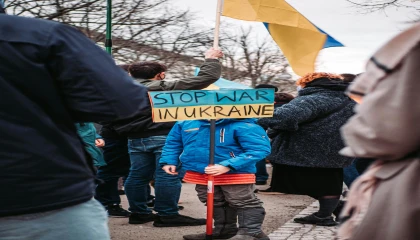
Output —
(279, 100)
(384, 203)
(92, 142)
(350, 172)
(117, 166)
(262, 175)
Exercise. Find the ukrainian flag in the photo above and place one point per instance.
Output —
(298, 38)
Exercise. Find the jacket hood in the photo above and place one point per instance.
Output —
(331, 84)
(314, 90)
(150, 87)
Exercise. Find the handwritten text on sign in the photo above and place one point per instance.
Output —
(201, 104)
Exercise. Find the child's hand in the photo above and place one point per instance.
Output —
(216, 170)
(170, 169)
(99, 143)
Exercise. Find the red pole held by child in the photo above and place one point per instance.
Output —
(210, 182)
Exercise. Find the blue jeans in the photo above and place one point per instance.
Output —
(350, 174)
(144, 156)
(84, 221)
(118, 165)
(261, 175)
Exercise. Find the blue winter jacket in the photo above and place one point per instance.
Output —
(240, 144)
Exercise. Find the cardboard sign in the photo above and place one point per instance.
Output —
(173, 106)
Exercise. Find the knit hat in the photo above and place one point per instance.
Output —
(283, 97)
(267, 86)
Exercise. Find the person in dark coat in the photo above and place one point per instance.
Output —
(279, 100)
(261, 176)
(308, 141)
(117, 166)
(52, 76)
(350, 172)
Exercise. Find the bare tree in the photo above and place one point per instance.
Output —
(155, 30)
(142, 29)
(258, 62)
(381, 5)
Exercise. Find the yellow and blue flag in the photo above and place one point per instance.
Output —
(298, 38)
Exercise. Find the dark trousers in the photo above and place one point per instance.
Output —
(363, 163)
(118, 165)
(237, 196)
(261, 175)
(350, 174)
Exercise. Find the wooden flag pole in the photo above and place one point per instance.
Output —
(217, 25)
(210, 182)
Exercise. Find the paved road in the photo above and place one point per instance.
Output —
(280, 209)
(296, 231)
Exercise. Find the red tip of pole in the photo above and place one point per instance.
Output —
(210, 205)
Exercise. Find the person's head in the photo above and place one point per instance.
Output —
(267, 86)
(283, 97)
(125, 67)
(310, 77)
(148, 70)
(348, 77)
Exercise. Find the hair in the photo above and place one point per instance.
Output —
(348, 77)
(146, 70)
(312, 76)
(267, 86)
(125, 67)
(283, 97)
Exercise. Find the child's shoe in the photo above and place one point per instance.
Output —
(225, 227)
(250, 221)
(243, 234)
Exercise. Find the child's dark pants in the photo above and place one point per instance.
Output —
(237, 196)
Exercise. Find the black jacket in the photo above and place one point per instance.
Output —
(309, 129)
(142, 126)
(52, 76)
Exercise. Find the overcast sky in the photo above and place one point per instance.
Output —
(361, 33)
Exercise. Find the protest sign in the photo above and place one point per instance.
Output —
(215, 104)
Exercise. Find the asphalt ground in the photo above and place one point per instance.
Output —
(279, 208)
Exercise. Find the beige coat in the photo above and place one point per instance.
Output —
(386, 126)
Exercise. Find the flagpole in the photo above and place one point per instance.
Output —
(108, 38)
(210, 181)
(219, 10)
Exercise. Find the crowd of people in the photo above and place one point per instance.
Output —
(58, 174)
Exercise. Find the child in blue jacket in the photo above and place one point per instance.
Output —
(240, 143)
